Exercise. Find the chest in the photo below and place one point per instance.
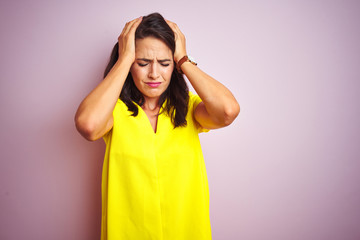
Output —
(153, 119)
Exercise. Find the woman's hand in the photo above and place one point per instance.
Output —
(94, 116)
(219, 107)
(180, 42)
(126, 40)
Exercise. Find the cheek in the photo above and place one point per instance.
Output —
(137, 73)
(168, 72)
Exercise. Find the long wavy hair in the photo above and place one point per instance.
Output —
(177, 93)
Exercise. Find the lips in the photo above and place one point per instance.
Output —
(153, 84)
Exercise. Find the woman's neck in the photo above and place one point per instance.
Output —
(151, 104)
(151, 108)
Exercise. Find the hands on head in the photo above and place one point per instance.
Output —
(180, 41)
(94, 115)
(126, 40)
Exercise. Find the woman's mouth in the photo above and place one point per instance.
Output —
(153, 84)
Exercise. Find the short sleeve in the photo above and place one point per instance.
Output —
(194, 101)
(119, 104)
(107, 136)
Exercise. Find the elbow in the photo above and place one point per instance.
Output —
(230, 114)
(86, 128)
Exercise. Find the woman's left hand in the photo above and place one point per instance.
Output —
(180, 42)
(219, 107)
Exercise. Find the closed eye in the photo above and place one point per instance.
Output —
(143, 64)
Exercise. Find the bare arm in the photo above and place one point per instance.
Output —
(219, 107)
(94, 116)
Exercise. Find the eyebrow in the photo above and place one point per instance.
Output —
(150, 60)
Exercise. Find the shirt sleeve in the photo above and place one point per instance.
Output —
(194, 101)
(107, 136)
(119, 104)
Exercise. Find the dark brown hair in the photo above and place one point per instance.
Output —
(177, 93)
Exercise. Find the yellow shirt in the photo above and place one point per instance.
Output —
(154, 185)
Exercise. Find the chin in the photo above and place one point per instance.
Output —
(151, 93)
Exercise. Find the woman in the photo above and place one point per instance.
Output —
(154, 183)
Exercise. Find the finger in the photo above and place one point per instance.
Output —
(171, 25)
(127, 28)
(130, 24)
(175, 29)
(123, 30)
(135, 25)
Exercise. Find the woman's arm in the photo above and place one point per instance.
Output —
(94, 116)
(219, 107)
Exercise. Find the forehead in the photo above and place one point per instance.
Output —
(151, 47)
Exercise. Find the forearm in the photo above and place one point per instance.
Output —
(219, 102)
(94, 115)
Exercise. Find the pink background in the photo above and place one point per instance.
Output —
(288, 167)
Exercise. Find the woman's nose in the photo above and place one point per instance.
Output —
(154, 71)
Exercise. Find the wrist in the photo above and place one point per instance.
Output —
(178, 57)
(125, 61)
(183, 60)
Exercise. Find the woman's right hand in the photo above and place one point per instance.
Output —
(126, 40)
(94, 116)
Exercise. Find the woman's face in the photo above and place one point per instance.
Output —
(152, 68)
